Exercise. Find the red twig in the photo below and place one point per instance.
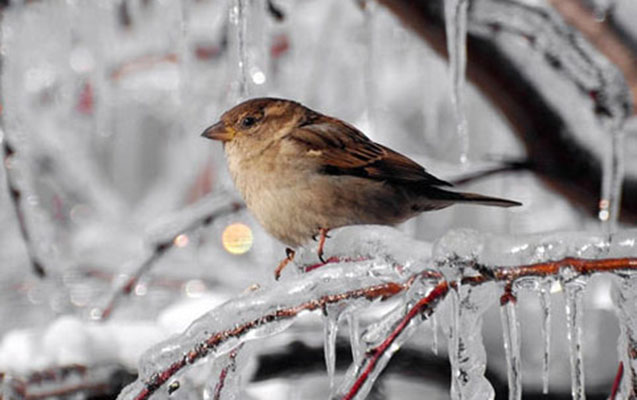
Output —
(617, 381)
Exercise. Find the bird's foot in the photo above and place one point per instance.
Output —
(289, 256)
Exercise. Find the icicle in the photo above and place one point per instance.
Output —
(434, 332)
(453, 344)
(612, 178)
(511, 337)
(574, 306)
(368, 68)
(456, 29)
(545, 304)
(625, 298)
(353, 323)
(238, 18)
(466, 348)
(330, 329)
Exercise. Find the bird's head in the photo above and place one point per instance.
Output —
(256, 121)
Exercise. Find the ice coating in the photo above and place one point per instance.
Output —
(456, 30)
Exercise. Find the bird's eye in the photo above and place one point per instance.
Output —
(248, 122)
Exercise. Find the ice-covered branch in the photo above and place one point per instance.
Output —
(464, 263)
(259, 314)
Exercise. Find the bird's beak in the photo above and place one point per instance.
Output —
(219, 131)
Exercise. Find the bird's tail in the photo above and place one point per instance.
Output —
(473, 198)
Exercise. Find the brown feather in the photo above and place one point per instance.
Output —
(344, 150)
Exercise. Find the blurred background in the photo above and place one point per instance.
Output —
(105, 172)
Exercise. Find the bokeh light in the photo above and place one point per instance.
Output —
(237, 238)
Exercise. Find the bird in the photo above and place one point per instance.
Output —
(302, 173)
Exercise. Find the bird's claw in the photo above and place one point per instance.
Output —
(289, 256)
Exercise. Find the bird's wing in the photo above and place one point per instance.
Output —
(342, 149)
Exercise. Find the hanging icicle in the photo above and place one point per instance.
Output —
(574, 292)
(545, 305)
(330, 330)
(511, 337)
(456, 29)
(238, 19)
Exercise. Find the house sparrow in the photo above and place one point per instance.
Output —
(302, 173)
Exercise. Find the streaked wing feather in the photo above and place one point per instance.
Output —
(344, 150)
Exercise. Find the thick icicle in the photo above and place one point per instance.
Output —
(545, 304)
(434, 332)
(330, 330)
(353, 323)
(453, 344)
(456, 29)
(468, 355)
(511, 337)
(455, 255)
(574, 292)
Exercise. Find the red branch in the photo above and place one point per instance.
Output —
(617, 381)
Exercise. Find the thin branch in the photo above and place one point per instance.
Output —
(15, 194)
